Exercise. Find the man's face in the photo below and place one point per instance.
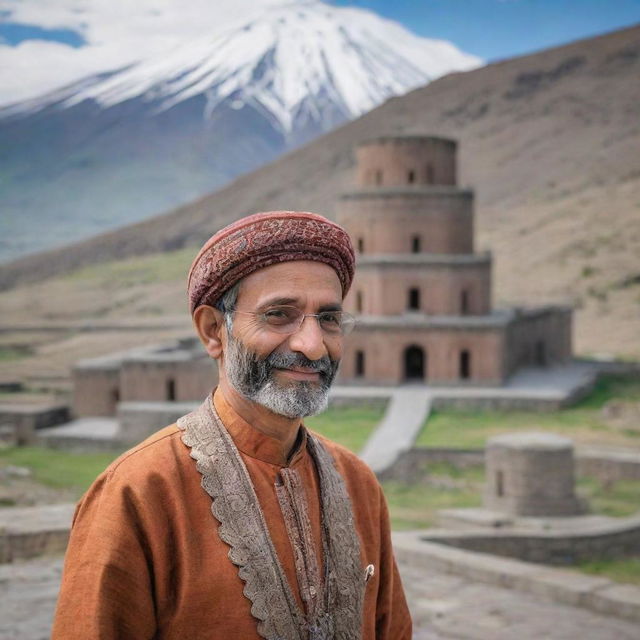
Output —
(288, 374)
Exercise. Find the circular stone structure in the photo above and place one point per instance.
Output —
(531, 474)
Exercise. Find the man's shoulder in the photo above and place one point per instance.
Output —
(153, 453)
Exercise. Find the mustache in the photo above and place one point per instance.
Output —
(288, 360)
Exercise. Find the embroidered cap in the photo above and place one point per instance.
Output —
(263, 239)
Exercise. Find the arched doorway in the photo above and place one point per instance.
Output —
(414, 363)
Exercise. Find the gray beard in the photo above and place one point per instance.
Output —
(254, 378)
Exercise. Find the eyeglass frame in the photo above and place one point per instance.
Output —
(301, 318)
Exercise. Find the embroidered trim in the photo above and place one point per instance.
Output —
(242, 526)
(293, 505)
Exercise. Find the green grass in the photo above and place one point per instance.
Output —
(444, 486)
(14, 352)
(618, 499)
(58, 469)
(414, 506)
(583, 422)
(348, 426)
(154, 268)
(620, 569)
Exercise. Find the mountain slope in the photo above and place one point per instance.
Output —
(117, 147)
(548, 141)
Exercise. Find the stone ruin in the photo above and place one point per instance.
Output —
(531, 474)
(531, 510)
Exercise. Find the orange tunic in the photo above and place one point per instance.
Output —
(145, 559)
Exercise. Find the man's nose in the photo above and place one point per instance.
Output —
(309, 339)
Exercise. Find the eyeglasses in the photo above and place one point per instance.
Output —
(287, 320)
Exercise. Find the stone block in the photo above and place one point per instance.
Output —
(617, 599)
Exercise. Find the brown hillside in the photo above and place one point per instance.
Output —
(550, 142)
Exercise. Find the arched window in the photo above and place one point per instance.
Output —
(171, 390)
(360, 245)
(359, 368)
(359, 302)
(464, 302)
(378, 177)
(465, 364)
(411, 176)
(414, 363)
(414, 299)
(429, 174)
(416, 244)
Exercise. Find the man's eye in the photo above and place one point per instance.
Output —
(278, 316)
(330, 318)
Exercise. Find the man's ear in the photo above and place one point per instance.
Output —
(209, 324)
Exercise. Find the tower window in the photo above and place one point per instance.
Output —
(464, 302)
(415, 244)
(359, 364)
(378, 177)
(360, 245)
(411, 176)
(465, 365)
(359, 301)
(171, 390)
(429, 174)
(414, 299)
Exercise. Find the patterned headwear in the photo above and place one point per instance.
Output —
(263, 239)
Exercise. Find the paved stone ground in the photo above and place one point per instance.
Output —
(448, 606)
(443, 607)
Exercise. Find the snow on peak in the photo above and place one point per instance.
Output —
(290, 60)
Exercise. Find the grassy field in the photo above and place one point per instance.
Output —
(443, 486)
(148, 269)
(58, 469)
(349, 426)
(583, 423)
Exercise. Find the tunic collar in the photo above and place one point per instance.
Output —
(254, 443)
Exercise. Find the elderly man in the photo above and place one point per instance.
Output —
(238, 523)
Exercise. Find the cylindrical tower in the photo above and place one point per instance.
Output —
(413, 231)
(396, 161)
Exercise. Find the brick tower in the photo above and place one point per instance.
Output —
(421, 294)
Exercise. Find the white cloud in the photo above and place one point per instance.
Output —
(117, 33)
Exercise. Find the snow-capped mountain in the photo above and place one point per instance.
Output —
(124, 144)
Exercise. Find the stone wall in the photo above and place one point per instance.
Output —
(96, 391)
(604, 466)
(558, 548)
(412, 465)
(138, 420)
(539, 338)
(178, 381)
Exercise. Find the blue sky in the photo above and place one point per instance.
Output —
(45, 44)
(496, 29)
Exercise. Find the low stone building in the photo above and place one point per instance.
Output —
(176, 372)
(421, 293)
